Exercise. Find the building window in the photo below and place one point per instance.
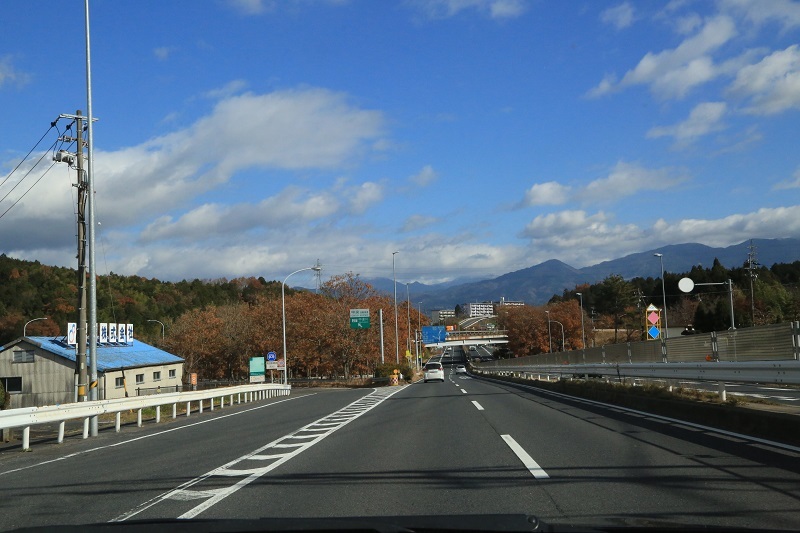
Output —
(157, 376)
(21, 356)
(119, 382)
(139, 379)
(172, 373)
(13, 385)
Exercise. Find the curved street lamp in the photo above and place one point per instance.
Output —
(583, 331)
(549, 336)
(25, 327)
(663, 296)
(315, 268)
(562, 332)
(396, 333)
(162, 328)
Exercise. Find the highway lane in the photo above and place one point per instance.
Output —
(430, 450)
(463, 446)
(96, 480)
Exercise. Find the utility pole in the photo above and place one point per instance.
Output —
(752, 264)
(80, 359)
(77, 159)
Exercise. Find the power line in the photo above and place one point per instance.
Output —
(26, 192)
(52, 125)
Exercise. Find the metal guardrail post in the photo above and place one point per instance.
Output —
(714, 347)
(796, 339)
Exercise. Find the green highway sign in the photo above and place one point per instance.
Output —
(359, 318)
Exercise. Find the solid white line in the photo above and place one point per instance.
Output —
(115, 444)
(476, 404)
(532, 466)
(223, 492)
(645, 414)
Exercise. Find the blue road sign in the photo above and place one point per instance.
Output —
(271, 356)
(433, 334)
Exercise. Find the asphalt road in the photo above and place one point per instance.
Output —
(465, 446)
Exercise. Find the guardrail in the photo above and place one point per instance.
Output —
(30, 416)
(766, 354)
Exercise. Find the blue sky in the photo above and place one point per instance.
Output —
(475, 137)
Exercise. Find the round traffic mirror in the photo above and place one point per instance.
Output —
(686, 285)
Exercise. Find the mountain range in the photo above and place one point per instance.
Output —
(535, 285)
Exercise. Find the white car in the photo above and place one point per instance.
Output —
(434, 371)
(461, 369)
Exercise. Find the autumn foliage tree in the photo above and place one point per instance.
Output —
(218, 341)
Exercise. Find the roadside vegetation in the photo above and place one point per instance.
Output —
(614, 308)
(217, 325)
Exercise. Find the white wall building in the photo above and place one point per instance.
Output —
(40, 371)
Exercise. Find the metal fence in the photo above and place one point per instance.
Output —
(147, 391)
(774, 342)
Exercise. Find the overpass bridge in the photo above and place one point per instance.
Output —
(471, 338)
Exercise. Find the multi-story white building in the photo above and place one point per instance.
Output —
(440, 315)
(479, 309)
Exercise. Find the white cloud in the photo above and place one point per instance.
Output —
(208, 221)
(793, 183)
(9, 75)
(496, 9)
(688, 24)
(285, 131)
(424, 177)
(581, 239)
(500, 9)
(620, 16)
(549, 193)
(162, 53)
(674, 72)
(627, 179)
(416, 222)
(365, 196)
(574, 236)
(759, 12)
(252, 7)
(703, 119)
(773, 84)
(623, 180)
(231, 88)
(773, 223)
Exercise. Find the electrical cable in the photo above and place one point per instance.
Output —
(23, 179)
(52, 125)
(29, 190)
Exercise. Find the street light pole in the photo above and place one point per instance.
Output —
(664, 296)
(419, 328)
(549, 336)
(162, 328)
(562, 333)
(583, 331)
(315, 268)
(396, 329)
(408, 318)
(25, 327)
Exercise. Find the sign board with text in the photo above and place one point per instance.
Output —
(257, 370)
(433, 334)
(359, 318)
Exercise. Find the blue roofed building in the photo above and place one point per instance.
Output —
(40, 371)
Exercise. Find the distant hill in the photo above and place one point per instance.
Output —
(537, 284)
